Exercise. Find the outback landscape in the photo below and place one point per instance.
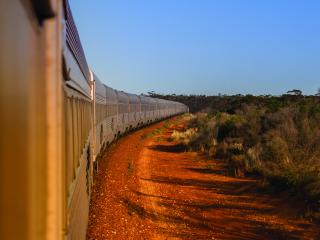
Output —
(238, 167)
(226, 146)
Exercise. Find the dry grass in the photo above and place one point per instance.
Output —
(282, 146)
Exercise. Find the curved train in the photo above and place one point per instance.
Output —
(57, 119)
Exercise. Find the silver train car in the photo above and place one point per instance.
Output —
(57, 119)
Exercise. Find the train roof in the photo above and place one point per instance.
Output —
(111, 94)
(133, 98)
(122, 97)
(100, 90)
(73, 41)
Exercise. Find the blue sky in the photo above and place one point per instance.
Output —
(202, 46)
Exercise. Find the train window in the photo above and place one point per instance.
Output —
(42, 9)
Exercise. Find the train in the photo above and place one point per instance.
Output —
(57, 118)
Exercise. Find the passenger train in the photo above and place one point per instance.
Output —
(57, 117)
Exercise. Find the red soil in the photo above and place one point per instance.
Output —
(147, 187)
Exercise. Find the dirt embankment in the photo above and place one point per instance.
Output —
(148, 187)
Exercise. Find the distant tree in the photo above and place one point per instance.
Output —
(151, 93)
(295, 92)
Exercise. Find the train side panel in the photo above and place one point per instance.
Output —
(100, 101)
(112, 114)
(78, 122)
(79, 152)
(123, 112)
(134, 111)
(79, 130)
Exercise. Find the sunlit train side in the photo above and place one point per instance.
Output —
(154, 105)
(134, 111)
(112, 114)
(163, 108)
(29, 147)
(146, 107)
(80, 129)
(157, 115)
(123, 111)
(100, 117)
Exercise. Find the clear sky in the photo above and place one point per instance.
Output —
(202, 46)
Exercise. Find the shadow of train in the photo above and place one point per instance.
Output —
(196, 202)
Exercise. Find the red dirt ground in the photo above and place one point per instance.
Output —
(148, 187)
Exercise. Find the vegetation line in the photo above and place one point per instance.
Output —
(277, 138)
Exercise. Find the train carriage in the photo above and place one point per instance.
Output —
(100, 104)
(162, 107)
(112, 114)
(172, 108)
(146, 109)
(135, 108)
(154, 110)
(157, 109)
(123, 112)
(143, 107)
(79, 129)
(168, 108)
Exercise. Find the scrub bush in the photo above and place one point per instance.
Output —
(277, 138)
